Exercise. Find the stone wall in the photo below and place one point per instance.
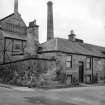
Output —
(27, 72)
(39, 72)
(74, 71)
(97, 70)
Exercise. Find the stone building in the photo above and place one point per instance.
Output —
(76, 61)
(79, 61)
(14, 34)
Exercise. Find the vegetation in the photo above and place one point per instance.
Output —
(26, 73)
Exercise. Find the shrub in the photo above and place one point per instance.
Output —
(95, 79)
(75, 81)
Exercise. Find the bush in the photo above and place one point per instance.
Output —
(75, 81)
(95, 79)
(26, 73)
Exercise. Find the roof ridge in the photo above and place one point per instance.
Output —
(48, 41)
(95, 45)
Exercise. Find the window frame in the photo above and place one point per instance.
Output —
(16, 52)
(68, 61)
(88, 62)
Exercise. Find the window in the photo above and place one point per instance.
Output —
(88, 63)
(69, 61)
(18, 47)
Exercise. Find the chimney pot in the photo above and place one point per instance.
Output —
(49, 3)
(32, 24)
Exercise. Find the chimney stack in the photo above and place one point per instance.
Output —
(73, 39)
(50, 32)
(15, 6)
(33, 31)
(32, 39)
(72, 36)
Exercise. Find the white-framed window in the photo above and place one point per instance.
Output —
(69, 61)
(88, 62)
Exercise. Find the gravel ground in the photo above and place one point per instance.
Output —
(10, 95)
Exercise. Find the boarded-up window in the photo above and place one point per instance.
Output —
(69, 61)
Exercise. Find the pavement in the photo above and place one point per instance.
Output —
(12, 95)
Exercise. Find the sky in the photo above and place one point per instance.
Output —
(85, 17)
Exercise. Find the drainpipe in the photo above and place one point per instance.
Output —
(92, 71)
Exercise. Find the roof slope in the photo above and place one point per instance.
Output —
(14, 18)
(6, 17)
(14, 25)
(51, 45)
(64, 45)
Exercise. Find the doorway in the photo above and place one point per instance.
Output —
(81, 71)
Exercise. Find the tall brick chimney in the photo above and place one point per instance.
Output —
(50, 31)
(15, 6)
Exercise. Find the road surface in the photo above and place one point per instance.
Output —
(70, 96)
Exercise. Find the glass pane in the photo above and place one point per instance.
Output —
(68, 64)
(68, 58)
(88, 59)
(88, 65)
(17, 45)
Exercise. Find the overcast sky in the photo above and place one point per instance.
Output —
(85, 17)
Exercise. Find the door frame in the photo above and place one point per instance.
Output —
(81, 71)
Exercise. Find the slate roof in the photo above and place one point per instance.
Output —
(6, 17)
(11, 19)
(13, 36)
(64, 45)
